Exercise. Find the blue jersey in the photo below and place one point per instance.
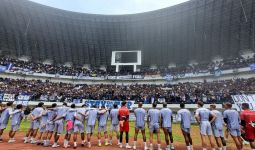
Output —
(37, 112)
(81, 117)
(203, 113)
(103, 119)
(154, 116)
(114, 116)
(92, 116)
(184, 116)
(5, 115)
(140, 115)
(218, 123)
(233, 119)
(44, 118)
(70, 115)
(17, 116)
(166, 115)
(51, 114)
(61, 111)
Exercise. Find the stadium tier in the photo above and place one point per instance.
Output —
(208, 92)
(196, 30)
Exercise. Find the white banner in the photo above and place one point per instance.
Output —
(138, 77)
(24, 103)
(23, 97)
(119, 77)
(9, 97)
(239, 99)
(108, 103)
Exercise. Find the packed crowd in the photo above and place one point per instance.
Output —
(208, 92)
(211, 67)
(29, 66)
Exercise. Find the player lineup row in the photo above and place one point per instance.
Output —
(53, 121)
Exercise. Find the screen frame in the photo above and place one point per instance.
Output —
(138, 54)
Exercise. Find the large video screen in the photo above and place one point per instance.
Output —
(126, 57)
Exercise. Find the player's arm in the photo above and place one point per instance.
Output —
(178, 117)
(22, 116)
(44, 112)
(54, 117)
(59, 118)
(197, 116)
(101, 112)
(225, 118)
(213, 117)
(84, 114)
(52, 109)
(32, 116)
(3, 109)
(77, 118)
(38, 117)
(14, 112)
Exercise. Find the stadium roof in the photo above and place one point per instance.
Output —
(197, 30)
(110, 7)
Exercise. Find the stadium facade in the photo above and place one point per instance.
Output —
(196, 30)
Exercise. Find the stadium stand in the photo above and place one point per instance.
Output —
(208, 92)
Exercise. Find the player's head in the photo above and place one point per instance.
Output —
(182, 105)
(19, 106)
(73, 106)
(115, 106)
(40, 104)
(140, 104)
(53, 105)
(245, 106)
(84, 105)
(9, 104)
(123, 103)
(200, 104)
(64, 104)
(103, 106)
(227, 105)
(164, 104)
(154, 105)
(212, 107)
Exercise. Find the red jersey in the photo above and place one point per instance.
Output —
(249, 117)
(124, 113)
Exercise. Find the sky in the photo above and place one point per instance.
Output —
(110, 7)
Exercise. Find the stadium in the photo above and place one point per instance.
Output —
(198, 51)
